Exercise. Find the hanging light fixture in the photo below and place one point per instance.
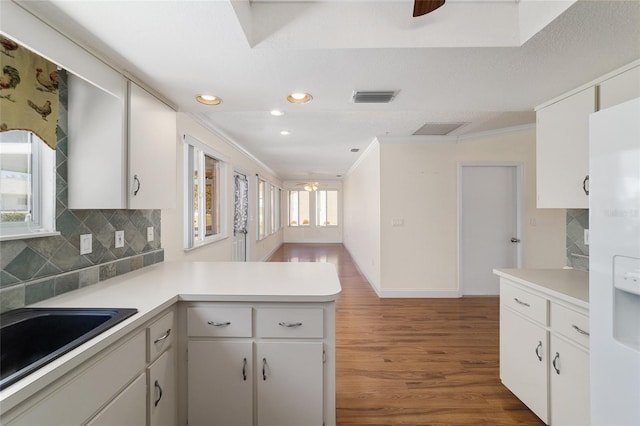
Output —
(311, 187)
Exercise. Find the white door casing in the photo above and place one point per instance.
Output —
(489, 224)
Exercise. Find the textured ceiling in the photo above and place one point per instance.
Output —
(488, 63)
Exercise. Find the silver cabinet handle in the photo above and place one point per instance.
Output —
(579, 330)
(520, 302)
(219, 324)
(264, 369)
(289, 324)
(585, 186)
(163, 337)
(157, 386)
(539, 350)
(136, 180)
(555, 363)
(244, 369)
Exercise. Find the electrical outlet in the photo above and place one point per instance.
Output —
(150, 233)
(119, 239)
(86, 241)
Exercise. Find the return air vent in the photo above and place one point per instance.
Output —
(362, 97)
(438, 129)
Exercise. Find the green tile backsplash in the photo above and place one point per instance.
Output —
(577, 222)
(39, 268)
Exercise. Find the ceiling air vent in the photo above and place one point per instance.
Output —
(362, 97)
(438, 129)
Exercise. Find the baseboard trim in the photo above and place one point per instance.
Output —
(416, 293)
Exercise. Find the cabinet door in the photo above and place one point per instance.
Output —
(220, 383)
(524, 361)
(162, 400)
(152, 151)
(562, 151)
(127, 408)
(569, 383)
(620, 88)
(290, 383)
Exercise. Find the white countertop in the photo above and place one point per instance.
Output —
(571, 285)
(155, 288)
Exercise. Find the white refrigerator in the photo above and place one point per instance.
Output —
(614, 267)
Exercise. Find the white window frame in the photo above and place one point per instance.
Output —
(195, 151)
(41, 220)
(299, 225)
(318, 208)
(269, 210)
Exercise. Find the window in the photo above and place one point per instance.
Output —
(327, 208)
(299, 208)
(205, 173)
(27, 186)
(269, 198)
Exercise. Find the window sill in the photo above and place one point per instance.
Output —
(28, 235)
(206, 242)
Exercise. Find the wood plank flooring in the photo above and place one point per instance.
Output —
(413, 361)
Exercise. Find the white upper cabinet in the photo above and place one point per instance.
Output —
(152, 151)
(562, 151)
(122, 149)
(620, 88)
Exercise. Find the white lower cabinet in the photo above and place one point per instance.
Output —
(260, 365)
(161, 375)
(220, 383)
(523, 361)
(289, 383)
(569, 379)
(544, 354)
(128, 408)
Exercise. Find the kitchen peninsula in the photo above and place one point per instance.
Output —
(274, 322)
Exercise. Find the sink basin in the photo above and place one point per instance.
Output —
(33, 337)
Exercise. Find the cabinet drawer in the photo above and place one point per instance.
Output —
(530, 305)
(290, 322)
(571, 324)
(219, 322)
(160, 335)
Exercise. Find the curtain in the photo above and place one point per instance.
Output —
(241, 208)
(28, 92)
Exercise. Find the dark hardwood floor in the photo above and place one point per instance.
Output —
(413, 361)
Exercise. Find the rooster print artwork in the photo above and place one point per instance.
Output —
(28, 92)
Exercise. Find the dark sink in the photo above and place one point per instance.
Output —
(33, 337)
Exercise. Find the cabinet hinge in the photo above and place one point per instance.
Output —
(324, 356)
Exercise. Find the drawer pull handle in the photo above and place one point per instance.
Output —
(163, 337)
(539, 350)
(579, 330)
(264, 369)
(157, 386)
(244, 369)
(219, 324)
(289, 324)
(520, 302)
(555, 363)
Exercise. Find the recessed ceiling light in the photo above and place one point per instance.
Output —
(208, 99)
(299, 98)
(277, 113)
(284, 132)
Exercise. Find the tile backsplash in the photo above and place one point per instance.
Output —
(577, 250)
(39, 268)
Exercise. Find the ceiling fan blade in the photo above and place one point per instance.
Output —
(422, 7)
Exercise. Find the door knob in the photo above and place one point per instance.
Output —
(515, 240)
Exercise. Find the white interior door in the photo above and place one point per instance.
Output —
(240, 217)
(488, 225)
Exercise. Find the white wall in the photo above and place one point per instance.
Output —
(173, 219)
(419, 188)
(361, 212)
